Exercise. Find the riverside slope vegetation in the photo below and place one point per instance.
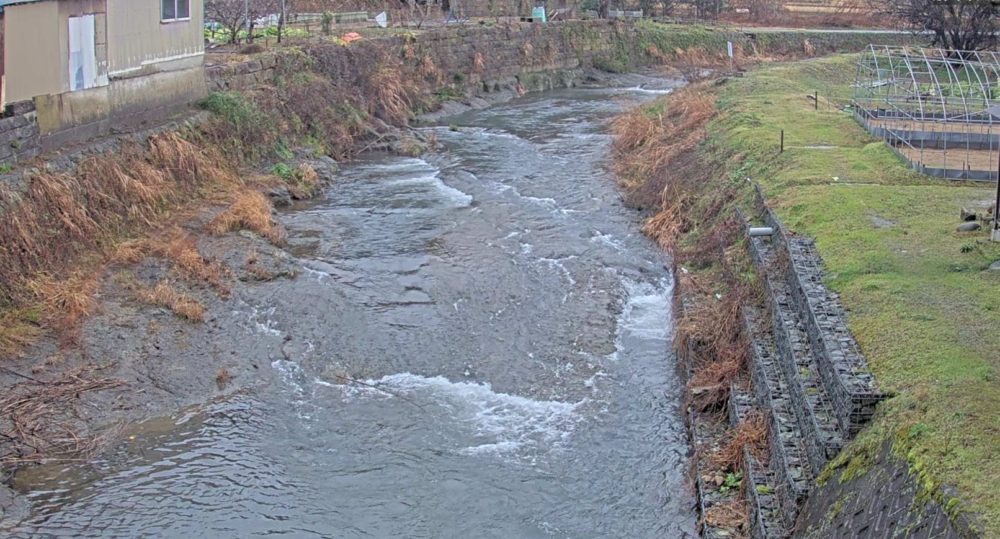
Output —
(921, 302)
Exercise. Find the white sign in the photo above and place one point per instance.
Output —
(381, 20)
(729, 48)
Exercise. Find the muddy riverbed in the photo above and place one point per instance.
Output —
(475, 344)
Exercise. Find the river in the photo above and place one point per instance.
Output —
(477, 345)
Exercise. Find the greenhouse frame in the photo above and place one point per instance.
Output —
(938, 109)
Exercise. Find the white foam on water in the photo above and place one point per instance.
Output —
(504, 423)
(255, 321)
(291, 373)
(459, 198)
(641, 90)
(402, 164)
(606, 239)
(557, 264)
(263, 323)
(541, 201)
(320, 275)
(646, 315)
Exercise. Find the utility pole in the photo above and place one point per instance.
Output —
(281, 20)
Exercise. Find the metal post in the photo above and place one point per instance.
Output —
(995, 232)
(782, 141)
(816, 99)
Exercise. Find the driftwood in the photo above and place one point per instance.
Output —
(40, 420)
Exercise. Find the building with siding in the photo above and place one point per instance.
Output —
(88, 65)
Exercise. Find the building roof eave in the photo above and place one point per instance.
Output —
(5, 3)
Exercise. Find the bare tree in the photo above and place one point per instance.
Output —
(763, 10)
(234, 15)
(708, 9)
(955, 24)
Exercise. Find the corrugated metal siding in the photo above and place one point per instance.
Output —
(36, 65)
(138, 41)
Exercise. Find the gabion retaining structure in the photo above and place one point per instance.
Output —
(843, 369)
(937, 109)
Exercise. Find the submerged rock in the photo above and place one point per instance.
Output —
(280, 196)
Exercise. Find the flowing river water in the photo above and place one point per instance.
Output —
(477, 346)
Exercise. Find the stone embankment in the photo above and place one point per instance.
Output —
(809, 381)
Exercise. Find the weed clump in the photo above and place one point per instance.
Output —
(750, 433)
(58, 217)
(249, 211)
(240, 124)
(389, 99)
(66, 301)
(19, 328)
(164, 294)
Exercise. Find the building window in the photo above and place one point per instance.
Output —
(175, 10)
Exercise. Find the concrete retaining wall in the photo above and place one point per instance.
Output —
(882, 503)
(126, 104)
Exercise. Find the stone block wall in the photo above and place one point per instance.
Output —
(475, 58)
(19, 134)
(481, 60)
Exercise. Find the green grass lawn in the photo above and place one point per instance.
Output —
(919, 299)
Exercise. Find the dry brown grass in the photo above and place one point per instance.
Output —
(164, 294)
(429, 71)
(729, 515)
(45, 228)
(387, 93)
(222, 378)
(648, 139)
(667, 224)
(181, 249)
(750, 433)
(249, 211)
(190, 165)
(66, 301)
(40, 419)
(479, 63)
(711, 328)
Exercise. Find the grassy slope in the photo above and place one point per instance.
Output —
(922, 307)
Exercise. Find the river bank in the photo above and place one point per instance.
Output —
(891, 256)
(473, 340)
(120, 263)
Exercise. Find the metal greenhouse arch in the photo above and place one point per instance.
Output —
(938, 109)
